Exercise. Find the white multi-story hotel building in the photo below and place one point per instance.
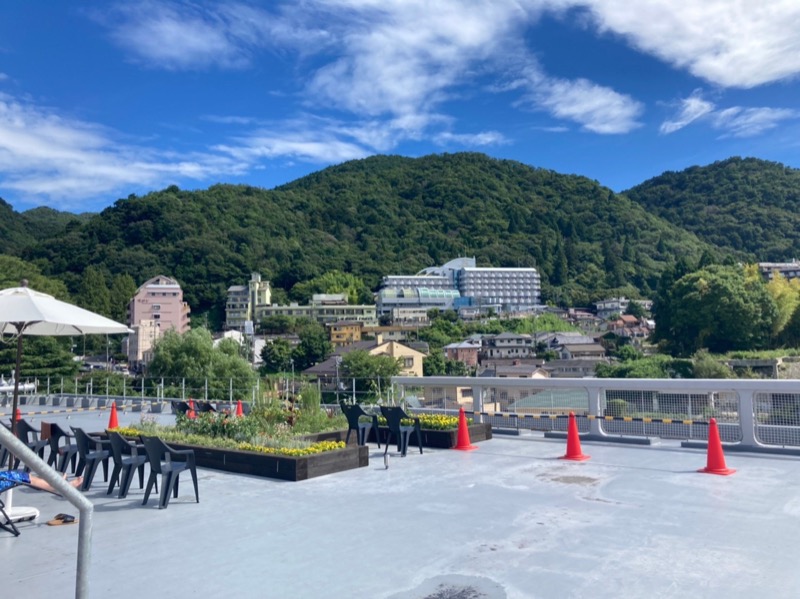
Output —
(460, 283)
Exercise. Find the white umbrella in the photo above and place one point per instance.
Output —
(24, 312)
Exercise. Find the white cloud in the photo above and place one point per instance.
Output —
(598, 109)
(748, 122)
(3, 76)
(732, 43)
(43, 154)
(692, 108)
(188, 35)
(735, 121)
(485, 138)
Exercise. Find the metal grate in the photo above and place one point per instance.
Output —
(670, 415)
(777, 418)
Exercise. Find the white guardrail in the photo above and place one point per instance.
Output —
(753, 415)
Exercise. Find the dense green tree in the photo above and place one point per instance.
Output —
(786, 295)
(372, 374)
(706, 366)
(276, 355)
(14, 270)
(314, 346)
(433, 364)
(335, 281)
(717, 308)
(123, 288)
(635, 309)
(278, 325)
(93, 293)
(650, 367)
(190, 360)
(41, 357)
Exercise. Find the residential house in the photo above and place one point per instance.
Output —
(576, 351)
(618, 305)
(466, 352)
(345, 332)
(328, 374)
(576, 368)
(507, 345)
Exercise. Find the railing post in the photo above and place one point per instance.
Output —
(595, 397)
(477, 404)
(747, 420)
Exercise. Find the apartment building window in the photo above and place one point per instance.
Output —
(408, 362)
(156, 307)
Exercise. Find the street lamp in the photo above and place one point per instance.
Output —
(291, 360)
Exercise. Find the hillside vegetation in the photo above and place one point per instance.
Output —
(741, 204)
(371, 217)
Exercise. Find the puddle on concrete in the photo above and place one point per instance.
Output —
(455, 586)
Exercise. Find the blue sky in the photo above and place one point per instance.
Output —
(102, 99)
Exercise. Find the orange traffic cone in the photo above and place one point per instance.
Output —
(18, 415)
(239, 410)
(715, 462)
(191, 415)
(573, 442)
(463, 442)
(112, 419)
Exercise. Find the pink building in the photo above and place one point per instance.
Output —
(160, 299)
(157, 307)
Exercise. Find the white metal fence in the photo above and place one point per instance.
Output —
(752, 414)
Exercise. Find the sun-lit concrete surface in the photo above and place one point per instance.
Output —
(508, 520)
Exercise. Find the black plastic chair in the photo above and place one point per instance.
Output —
(204, 406)
(169, 463)
(394, 416)
(180, 407)
(92, 454)
(127, 456)
(353, 413)
(30, 436)
(61, 454)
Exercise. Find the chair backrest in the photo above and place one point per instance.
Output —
(180, 407)
(204, 406)
(156, 452)
(25, 432)
(393, 416)
(83, 441)
(119, 447)
(56, 434)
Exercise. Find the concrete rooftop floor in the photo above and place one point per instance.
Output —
(506, 521)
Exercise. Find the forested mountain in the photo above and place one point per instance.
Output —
(744, 204)
(381, 215)
(14, 235)
(45, 223)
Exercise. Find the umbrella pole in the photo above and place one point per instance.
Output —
(21, 513)
(15, 401)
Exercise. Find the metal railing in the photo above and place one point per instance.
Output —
(755, 415)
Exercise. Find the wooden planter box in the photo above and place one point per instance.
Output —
(440, 439)
(281, 467)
